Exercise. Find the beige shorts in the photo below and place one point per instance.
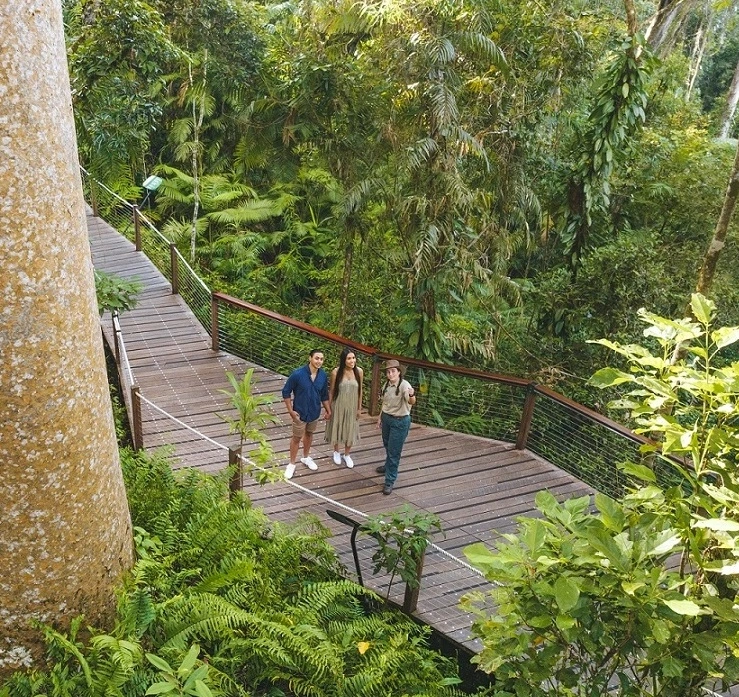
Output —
(300, 428)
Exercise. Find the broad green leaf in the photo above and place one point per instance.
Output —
(566, 593)
(630, 587)
(189, 660)
(671, 667)
(159, 663)
(640, 472)
(160, 688)
(479, 555)
(198, 674)
(661, 632)
(202, 690)
(725, 336)
(718, 524)
(608, 377)
(725, 568)
(534, 536)
(665, 543)
(565, 621)
(684, 607)
(546, 503)
(540, 621)
(702, 308)
(611, 512)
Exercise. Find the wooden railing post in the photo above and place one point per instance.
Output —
(374, 399)
(236, 480)
(175, 268)
(137, 227)
(93, 196)
(138, 430)
(214, 344)
(526, 417)
(410, 598)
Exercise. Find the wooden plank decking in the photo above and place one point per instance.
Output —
(475, 485)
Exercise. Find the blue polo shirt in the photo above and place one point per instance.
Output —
(307, 394)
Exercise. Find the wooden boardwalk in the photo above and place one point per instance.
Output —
(475, 485)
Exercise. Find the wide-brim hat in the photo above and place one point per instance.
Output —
(392, 363)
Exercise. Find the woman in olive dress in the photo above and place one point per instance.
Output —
(345, 400)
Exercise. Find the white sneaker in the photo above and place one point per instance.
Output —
(308, 462)
(337, 457)
(289, 471)
(348, 460)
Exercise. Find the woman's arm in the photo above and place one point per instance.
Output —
(361, 379)
(410, 394)
(331, 381)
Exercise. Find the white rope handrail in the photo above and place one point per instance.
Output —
(122, 349)
(305, 490)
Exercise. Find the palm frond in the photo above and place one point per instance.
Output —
(444, 110)
(250, 212)
(481, 46)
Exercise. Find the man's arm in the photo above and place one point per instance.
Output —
(287, 396)
(291, 412)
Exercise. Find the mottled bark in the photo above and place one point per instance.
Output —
(727, 118)
(65, 536)
(715, 247)
(666, 24)
(696, 57)
(632, 25)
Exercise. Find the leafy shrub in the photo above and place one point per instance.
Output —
(260, 603)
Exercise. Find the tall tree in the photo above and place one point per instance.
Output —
(716, 245)
(66, 530)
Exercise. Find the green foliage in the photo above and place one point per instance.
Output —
(223, 601)
(254, 413)
(636, 597)
(586, 601)
(691, 404)
(620, 104)
(185, 681)
(402, 537)
(114, 293)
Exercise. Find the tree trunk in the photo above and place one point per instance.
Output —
(66, 530)
(696, 57)
(710, 260)
(631, 21)
(666, 23)
(727, 118)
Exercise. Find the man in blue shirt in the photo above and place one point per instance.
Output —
(304, 392)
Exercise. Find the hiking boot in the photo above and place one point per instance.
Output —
(380, 469)
(387, 489)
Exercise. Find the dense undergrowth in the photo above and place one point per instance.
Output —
(262, 603)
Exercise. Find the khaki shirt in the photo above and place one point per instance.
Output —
(397, 405)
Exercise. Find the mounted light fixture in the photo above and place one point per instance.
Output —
(152, 183)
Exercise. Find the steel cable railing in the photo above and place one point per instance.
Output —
(513, 410)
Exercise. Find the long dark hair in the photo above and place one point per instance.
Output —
(342, 367)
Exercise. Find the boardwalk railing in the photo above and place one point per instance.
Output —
(572, 437)
(129, 389)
